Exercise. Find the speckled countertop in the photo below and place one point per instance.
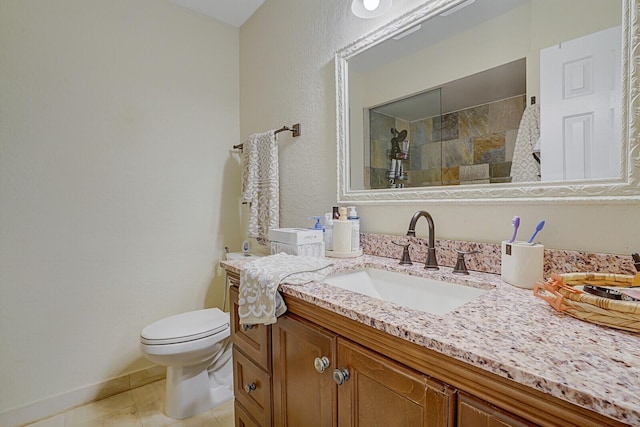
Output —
(506, 331)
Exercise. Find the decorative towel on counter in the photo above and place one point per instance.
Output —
(259, 280)
(260, 183)
(524, 167)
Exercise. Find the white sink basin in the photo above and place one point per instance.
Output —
(428, 295)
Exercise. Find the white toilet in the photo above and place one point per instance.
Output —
(196, 349)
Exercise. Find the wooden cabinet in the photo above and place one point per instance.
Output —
(385, 380)
(377, 391)
(473, 412)
(304, 393)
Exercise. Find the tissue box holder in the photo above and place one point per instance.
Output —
(295, 236)
(312, 249)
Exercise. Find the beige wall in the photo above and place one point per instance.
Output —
(118, 192)
(287, 75)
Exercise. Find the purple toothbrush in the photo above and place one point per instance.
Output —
(516, 223)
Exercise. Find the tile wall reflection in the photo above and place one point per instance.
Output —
(471, 146)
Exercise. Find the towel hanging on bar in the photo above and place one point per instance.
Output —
(524, 167)
(260, 183)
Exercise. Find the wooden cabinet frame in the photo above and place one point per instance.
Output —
(478, 392)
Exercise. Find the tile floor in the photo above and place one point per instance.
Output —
(140, 407)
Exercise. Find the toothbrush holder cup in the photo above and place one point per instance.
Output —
(522, 263)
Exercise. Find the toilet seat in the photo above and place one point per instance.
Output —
(185, 327)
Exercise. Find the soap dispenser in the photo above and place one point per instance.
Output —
(317, 225)
(342, 232)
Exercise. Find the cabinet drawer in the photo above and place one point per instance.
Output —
(252, 388)
(253, 340)
(242, 417)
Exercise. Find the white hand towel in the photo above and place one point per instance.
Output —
(524, 167)
(259, 301)
(260, 183)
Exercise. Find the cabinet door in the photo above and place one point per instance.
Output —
(304, 393)
(377, 391)
(473, 412)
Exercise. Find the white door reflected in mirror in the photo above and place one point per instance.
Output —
(580, 116)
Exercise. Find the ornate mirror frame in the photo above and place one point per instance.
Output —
(624, 189)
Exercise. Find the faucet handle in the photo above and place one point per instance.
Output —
(461, 267)
(406, 259)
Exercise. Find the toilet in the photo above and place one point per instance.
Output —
(196, 349)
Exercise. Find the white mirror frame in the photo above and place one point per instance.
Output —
(624, 189)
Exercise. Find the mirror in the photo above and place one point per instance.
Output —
(461, 54)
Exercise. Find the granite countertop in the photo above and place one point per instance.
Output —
(506, 331)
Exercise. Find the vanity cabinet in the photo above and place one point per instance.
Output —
(287, 374)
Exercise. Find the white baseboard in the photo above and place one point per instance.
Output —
(53, 405)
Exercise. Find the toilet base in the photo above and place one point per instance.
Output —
(189, 392)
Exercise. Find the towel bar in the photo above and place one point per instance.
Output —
(295, 130)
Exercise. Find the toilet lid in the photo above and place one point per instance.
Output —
(184, 327)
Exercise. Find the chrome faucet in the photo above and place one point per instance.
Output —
(431, 263)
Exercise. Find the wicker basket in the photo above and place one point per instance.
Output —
(559, 291)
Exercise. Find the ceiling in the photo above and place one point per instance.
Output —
(234, 12)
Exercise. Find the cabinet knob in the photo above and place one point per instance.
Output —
(245, 328)
(340, 376)
(249, 387)
(321, 363)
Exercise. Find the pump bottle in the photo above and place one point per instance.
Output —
(342, 232)
(317, 225)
